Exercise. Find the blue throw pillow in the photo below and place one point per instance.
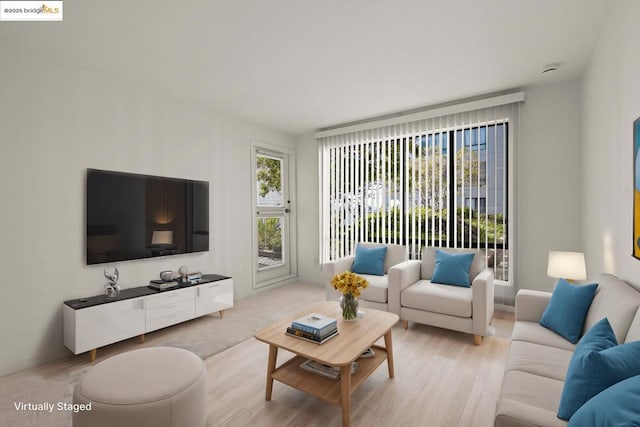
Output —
(369, 260)
(452, 268)
(568, 308)
(597, 364)
(616, 406)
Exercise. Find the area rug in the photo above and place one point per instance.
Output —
(206, 336)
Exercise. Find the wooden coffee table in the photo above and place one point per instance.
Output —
(354, 338)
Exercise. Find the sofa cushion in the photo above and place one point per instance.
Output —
(511, 413)
(377, 290)
(615, 406)
(444, 299)
(634, 329)
(533, 332)
(597, 363)
(611, 293)
(583, 368)
(536, 399)
(429, 261)
(369, 260)
(538, 359)
(395, 253)
(452, 269)
(567, 309)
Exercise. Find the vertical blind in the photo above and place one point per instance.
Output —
(440, 182)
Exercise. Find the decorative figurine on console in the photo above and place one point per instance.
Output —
(112, 289)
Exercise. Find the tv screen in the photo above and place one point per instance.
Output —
(132, 216)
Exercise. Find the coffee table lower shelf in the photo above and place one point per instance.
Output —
(291, 374)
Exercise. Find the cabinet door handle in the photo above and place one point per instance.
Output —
(198, 292)
(141, 303)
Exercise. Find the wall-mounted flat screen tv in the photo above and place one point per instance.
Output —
(131, 216)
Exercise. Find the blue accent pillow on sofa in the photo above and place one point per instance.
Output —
(369, 260)
(568, 308)
(597, 364)
(616, 406)
(452, 268)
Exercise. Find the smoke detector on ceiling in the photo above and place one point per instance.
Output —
(549, 68)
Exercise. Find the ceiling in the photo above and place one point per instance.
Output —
(300, 65)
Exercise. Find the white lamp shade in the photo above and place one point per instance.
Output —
(566, 265)
(162, 238)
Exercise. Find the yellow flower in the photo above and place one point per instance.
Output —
(349, 283)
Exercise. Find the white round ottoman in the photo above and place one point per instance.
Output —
(154, 387)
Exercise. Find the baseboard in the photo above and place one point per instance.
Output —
(35, 361)
(276, 282)
(503, 307)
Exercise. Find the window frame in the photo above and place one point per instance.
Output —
(449, 124)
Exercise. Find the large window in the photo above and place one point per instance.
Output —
(440, 183)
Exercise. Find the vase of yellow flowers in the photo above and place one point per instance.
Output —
(350, 285)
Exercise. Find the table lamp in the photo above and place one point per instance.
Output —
(567, 265)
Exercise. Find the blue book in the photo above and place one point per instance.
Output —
(314, 323)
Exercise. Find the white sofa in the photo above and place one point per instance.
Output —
(415, 298)
(376, 294)
(538, 358)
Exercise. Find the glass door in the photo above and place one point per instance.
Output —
(272, 225)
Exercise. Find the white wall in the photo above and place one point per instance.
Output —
(547, 192)
(611, 102)
(309, 211)
(548, 170)
(58, 120)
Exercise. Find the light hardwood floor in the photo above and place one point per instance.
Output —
(441, 379)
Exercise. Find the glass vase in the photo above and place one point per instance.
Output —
(349, 305)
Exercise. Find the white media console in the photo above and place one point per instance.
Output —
(97, 321)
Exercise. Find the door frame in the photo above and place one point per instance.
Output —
(292, 249)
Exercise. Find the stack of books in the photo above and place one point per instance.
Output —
(326, 370)
(163, 285)
(314, 327)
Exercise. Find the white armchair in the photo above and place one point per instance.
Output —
(376, 294)
(415, 298)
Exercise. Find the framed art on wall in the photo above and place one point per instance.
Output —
(636, 188)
